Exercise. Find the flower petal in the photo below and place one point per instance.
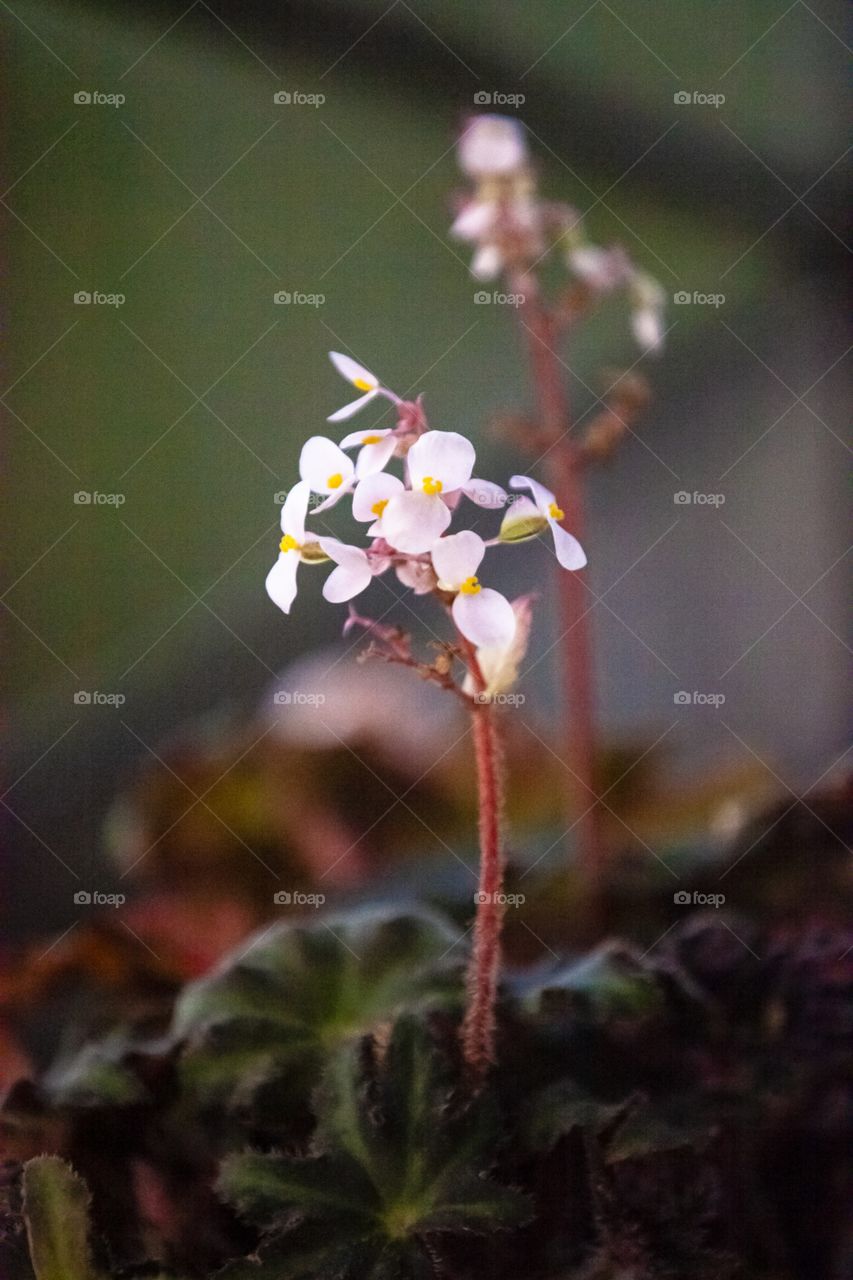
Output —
(372, 490)
(334, 498)
(352, 575)
(281, 580)
(353, 407)
(373, 457)
(475, 219)
(570, 553)
(486, 619)
(324, 465)
(354, 372)
(485, 494)
(499, 663)
(457, 557)
(295, 509)
(364, 437)
(487, 262)
(442, 455)
(541, 496)
(412, 522)
(492, 145)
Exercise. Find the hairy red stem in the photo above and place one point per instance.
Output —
(478, 1030)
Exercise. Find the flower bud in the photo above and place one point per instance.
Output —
(492, 146)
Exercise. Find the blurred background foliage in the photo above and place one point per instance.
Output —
(199, 198)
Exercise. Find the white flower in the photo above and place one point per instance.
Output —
(363, 380)
(487, 263)
(569, 551)
(293, 548)
(377, 448)
(647, 320)
(327, 470)
(439, 463)
(601, 269)
(352, 575)
(492, 146)
(475, 220)
(484, 616)
(499, 663)
(372, 497)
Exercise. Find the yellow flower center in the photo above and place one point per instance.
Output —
(335, 481)
(370, 439)
(470, 587)
(379, 507)
(555, 512)
(361, 384)
(432, 487)
(289, 543)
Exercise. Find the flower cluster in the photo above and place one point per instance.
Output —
(408, 517)
(512, 228)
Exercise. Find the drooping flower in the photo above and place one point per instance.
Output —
(525, 519)
(439, 463)
(376, 448)
(326, 469)
(294, 548)
(492, 146)
(601, 269)
(499, 663)
(363, 380)
(484, 616)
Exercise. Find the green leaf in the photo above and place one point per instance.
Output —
(401, 1158)
(564, 1106)
(611, 984)
(267, 1020)
(661, 1125)
(56, 1211)
(96, 1075)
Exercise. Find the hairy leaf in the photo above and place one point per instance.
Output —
(267, 1019)
(56, 1211)
(401, 1159)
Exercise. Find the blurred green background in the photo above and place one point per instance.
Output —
(198, 198)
